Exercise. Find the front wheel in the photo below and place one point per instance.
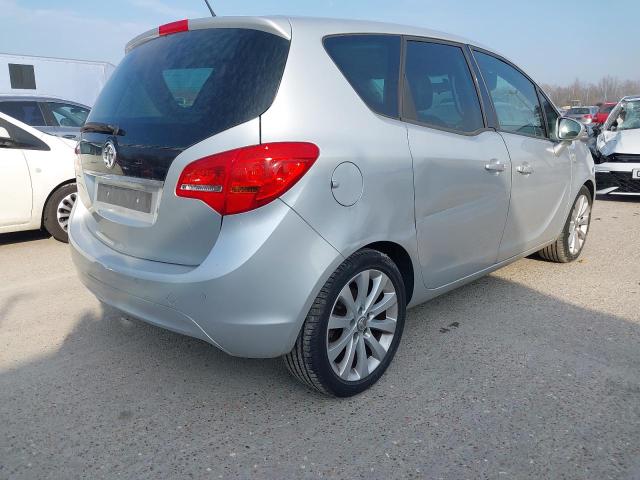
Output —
(354, 327)
(570, 243)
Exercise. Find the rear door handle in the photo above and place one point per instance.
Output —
(495, 166)
(525, 169)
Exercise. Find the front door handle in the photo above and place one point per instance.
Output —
(495, 166)
(525, 169)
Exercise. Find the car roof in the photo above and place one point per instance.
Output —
(631, 97)
(282, 25)
(36, 98)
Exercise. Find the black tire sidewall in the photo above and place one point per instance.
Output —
(565, 233)
(50, 219)
(364, 260)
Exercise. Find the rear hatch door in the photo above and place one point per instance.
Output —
(172, 100)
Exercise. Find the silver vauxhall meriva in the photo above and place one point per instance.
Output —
(288, 187)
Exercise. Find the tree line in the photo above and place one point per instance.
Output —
(608, 89)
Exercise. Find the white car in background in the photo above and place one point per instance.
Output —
(618, 150)
(37, 179)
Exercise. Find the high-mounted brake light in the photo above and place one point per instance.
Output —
(173, 27)
(240, 180)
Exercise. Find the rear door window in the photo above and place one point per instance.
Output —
(66, 115)
(371, 64)
(439, 89)
(514, 96)
(24, 111)
(177, 90)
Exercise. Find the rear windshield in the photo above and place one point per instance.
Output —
(579, 111)
(177, 90)
(607, 108)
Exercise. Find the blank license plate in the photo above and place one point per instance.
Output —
(137, 200)
(635, 173)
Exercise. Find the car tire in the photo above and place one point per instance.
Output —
(569, 245)
(57, 211)
(371, 326)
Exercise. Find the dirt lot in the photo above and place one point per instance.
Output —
(531, 372)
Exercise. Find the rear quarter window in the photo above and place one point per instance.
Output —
(371, 64)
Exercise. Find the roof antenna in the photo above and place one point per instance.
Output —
(210, 9)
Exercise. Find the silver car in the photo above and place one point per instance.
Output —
(585, 115)
(289, 187)
(48, 114)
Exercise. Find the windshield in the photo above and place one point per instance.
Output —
(626, 116)
(175, 91)
(607, 108)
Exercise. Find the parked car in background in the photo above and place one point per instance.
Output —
(37, 180)
(618, 150)
(603, 112)
(584, 115)
(238, 206)
(50, 115)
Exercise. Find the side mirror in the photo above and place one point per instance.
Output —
(569, 129)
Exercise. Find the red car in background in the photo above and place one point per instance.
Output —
(603, 112)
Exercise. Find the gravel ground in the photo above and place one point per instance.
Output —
(531, 372)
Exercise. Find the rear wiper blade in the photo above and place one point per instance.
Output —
(97, 127)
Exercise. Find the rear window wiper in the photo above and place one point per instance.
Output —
(97, 127)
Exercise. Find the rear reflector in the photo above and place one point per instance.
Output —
(240, 180)
(173, 27)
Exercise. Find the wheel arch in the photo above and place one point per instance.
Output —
(591, 187)
(46, 202)
(401, 258)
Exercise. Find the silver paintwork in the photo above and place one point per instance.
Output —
(456, 204)
(63, 212)
(362, 325)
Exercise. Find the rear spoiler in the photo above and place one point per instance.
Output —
(276, 25)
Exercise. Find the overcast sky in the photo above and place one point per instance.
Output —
(554, 41)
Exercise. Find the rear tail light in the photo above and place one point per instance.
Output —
(173, 27)
(240, 180)
(589, 116)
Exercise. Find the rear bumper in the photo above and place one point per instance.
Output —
(615, 178)
(249, 297)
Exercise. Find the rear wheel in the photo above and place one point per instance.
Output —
(354, 327)
(570, 243)
(57, 211)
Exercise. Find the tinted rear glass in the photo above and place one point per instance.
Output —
(177, 90)
(607, 108)
(371, 64)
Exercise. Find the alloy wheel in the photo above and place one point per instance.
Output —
(63, 212)
(579, 224)
(362, 325)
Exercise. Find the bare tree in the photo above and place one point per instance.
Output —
(607, 89)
